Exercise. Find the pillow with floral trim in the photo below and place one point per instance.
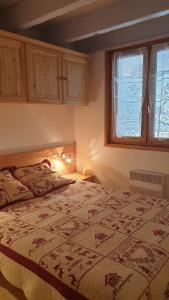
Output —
(40, 179)
(24, 174)
(11, 189)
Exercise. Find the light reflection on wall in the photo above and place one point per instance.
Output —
(95, 149)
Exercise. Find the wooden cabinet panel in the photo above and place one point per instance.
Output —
(37, 72)
(74, 80)
(43, 75)
(12, 71)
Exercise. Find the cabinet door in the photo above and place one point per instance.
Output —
(74, 80)
(12, 71)
(43, 75)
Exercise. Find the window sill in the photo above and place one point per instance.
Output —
(139, 147)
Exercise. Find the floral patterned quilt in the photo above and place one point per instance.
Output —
(90, 242)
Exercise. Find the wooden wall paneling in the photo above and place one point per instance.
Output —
(36, 156)
(75, 71)
(12, 71)
(43, 75)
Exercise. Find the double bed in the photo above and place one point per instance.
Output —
(86, 241)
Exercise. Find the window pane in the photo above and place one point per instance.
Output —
(160, 97)
(128, 92)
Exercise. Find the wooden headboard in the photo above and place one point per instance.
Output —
(32, 157)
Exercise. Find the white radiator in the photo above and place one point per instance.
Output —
(146, 182)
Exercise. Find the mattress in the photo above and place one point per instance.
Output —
(86, 241)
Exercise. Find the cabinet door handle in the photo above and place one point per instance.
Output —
(62, 78)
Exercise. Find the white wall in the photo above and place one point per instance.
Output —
(30, 126)
(111, 165)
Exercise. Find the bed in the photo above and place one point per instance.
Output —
(86, 241)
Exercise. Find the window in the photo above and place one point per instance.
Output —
(138, 95)
(159, 95)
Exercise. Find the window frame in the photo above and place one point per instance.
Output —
(146, 141)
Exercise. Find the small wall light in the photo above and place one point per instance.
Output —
(69, 159)
(63, 157)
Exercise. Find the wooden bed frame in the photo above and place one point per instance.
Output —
(36, 156)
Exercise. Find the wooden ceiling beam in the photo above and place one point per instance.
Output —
(29, 13)
(121, 14)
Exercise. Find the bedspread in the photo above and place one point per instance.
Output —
(88, 242)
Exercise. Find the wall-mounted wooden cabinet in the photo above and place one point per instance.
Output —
(55, 77)
(74, 79)
(38, 72)
(43, 75)
(12, 71)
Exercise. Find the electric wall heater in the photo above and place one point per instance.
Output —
(146, 182)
